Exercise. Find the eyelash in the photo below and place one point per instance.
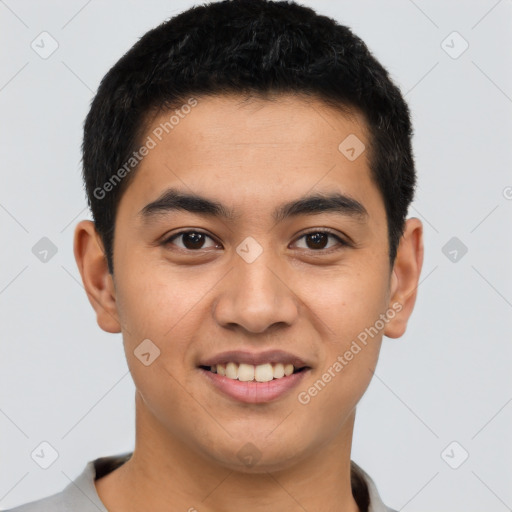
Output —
(341, 243)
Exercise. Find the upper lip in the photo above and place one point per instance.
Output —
(254, 358)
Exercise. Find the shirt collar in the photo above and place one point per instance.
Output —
(82, 491)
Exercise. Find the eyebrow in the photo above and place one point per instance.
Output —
(175, 200)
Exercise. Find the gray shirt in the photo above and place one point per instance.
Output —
(81, 496)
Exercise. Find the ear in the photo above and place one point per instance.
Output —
(405, 277)
(98, 283)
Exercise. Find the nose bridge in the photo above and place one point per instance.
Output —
(254, 295)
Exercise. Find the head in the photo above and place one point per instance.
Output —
(225, 121)
(252, 49)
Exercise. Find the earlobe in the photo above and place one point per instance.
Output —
(405, 277)
(98, 283)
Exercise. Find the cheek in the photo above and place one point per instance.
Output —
(352, 305)
(156, 303)
(160, 310)
(338, 384)
(347, 300)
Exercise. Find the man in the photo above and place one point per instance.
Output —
(249, 169)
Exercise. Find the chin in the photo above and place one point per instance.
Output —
(257, 456)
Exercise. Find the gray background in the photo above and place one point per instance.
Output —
(64, 381)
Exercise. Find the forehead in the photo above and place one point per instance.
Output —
(279, 124)
(255, 152)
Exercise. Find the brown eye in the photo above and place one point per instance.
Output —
(317, 240)
(191, 240)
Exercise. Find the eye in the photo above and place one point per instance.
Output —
(317, 240)
(194, 240)
(191, 240)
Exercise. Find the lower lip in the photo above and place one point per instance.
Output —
(255, 392)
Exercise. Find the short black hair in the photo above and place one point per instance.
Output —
(257, 48)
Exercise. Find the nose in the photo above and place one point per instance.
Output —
(256, 296)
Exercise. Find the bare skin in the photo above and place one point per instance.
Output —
(298, 296)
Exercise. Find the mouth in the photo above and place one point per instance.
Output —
(254, 373)
(254, 378)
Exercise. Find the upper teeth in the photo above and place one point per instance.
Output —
(247, 372)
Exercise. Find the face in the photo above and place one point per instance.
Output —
(263, 276)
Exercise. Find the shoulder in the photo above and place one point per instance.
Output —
(53, 503)
(372, 502)
(80, 495)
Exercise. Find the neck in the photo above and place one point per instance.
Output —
(164, 474)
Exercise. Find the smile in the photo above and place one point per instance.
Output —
(254, 377)
(253, 373)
